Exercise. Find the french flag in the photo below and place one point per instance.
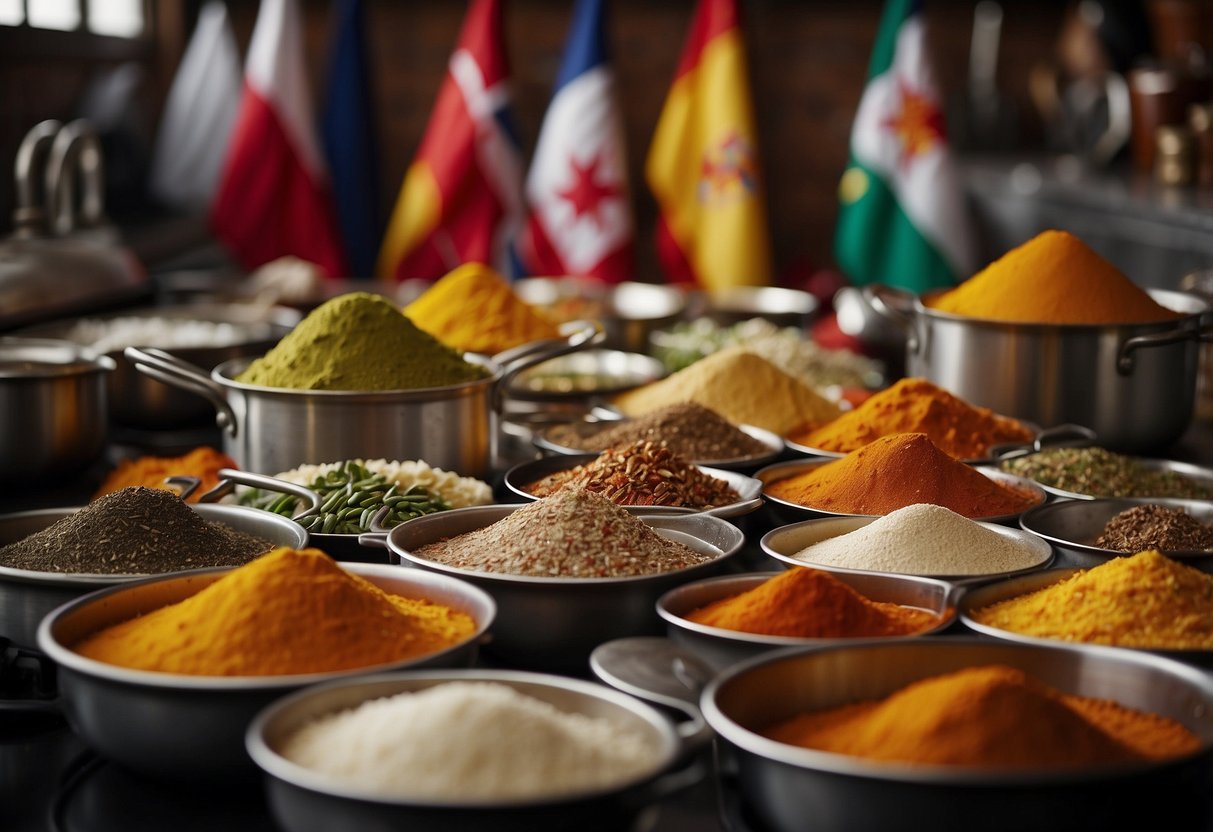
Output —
(274, 198)
(580, 219)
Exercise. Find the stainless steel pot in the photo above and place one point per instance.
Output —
(53, 418)
(268, 430)
(1133, 384)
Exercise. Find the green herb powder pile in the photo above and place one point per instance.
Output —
(359, 341)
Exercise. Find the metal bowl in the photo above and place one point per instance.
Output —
(635, 310)
(1197, 472)
(1040, 438)
(786, 511)
(1072, 527)
(780, 306)
(172, 725)
(26, 596)
(521, 476)
(554, 623)
(588, 373)
(305, 801)
(976, 597)
(722, 648)
(772, 440)
(784, 542)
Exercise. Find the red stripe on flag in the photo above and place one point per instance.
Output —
(539, 257)
(673, 261)
(482, 34)
(712, 18)
(470, 213)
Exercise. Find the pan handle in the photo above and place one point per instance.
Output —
(1059, 436)
(575, 335)
(175, 372)
(1126, 359)
(897, 305)
(229, 478)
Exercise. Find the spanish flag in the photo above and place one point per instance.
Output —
(703, 162)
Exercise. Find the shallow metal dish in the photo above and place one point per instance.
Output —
(780, 306)
(554, 623)
(786, 511)
(722, 648)
(26, 596)
(772, 440)
(1196, 472)
(588, 373)
(977, 597)
(192, 727)
(518, 478)
(304, 801)
(784, 542)
(1072, 526)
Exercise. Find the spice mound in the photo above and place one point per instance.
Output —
(689, 430)
(915, 405)
(989, 717)
(1054, 278)
(924, 539)
(133, 531)
(1147, 601)
(895, 471)
(744, 388)
(203, 462)
(471, 741)
(572, 534)
(1098, 472)
(291, 611)
(809, 603)
(472, 309)
(1155, 527)
(359, 341)
(643, 473)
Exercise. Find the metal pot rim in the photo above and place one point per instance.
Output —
(1186, 318)
(225, 374)
(81, 361)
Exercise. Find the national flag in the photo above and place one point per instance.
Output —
(581, 219)
(348, 130)
(902, 219)
(274, 197)
(199, 114)
(461, 200)
(703, 163)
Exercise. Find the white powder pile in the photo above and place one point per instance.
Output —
(923, 539)
(477, 741)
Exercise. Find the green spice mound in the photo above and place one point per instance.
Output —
(359, 341)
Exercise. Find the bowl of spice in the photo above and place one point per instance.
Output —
(1084, 473)
(568, 571)
(1145, 601)
(150, 668)
(732, 618)
(51, 556)
(492, 750)
(921, 539)
(689, 430)
(889, 473)
(586, 373)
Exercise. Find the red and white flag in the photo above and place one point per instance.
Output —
(274, 196)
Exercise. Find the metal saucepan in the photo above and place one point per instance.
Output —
(268, 429)
(1133, 384)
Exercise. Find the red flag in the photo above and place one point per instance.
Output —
(274, 196)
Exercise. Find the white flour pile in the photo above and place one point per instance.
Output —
(923, 539)
(477, 741)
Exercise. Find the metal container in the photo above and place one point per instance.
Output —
(1202, 475)
(27, 596)
(780, 306)
(305, 801)
(722, 648)
(634, 311)
(554, 623)
(171, 725)
(1133, 384)
(586, 373)
(773, 441)
(53, 418)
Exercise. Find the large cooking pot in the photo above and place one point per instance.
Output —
(268, 430)
(1133, 384)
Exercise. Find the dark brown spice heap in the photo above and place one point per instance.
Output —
(133, 531)
(572, 534)
(690, 430)
(644, 473)
(1155, 527)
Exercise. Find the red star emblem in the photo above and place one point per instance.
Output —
(918, 125)
(587, 193)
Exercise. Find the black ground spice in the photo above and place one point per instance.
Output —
(1155, 527)
(689, 430)
(134, 531)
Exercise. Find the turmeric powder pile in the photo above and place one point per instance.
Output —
(150, 471)
(472, 309)
(288, 612)
(989, 717)
(809, 603)
(1147, 601)
(1054, 278)
(915, 405)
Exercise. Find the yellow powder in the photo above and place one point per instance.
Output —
(1146, 600)
(472, 309)
(1054, 278)
(742, 387)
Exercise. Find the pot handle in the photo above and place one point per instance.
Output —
(1126, 360)
(896, 305)
(176, 372)
(575, 335)
(229, 478)
(377, 536)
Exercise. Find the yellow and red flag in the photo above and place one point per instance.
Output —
(703, 163)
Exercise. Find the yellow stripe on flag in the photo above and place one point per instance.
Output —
(416, 215)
